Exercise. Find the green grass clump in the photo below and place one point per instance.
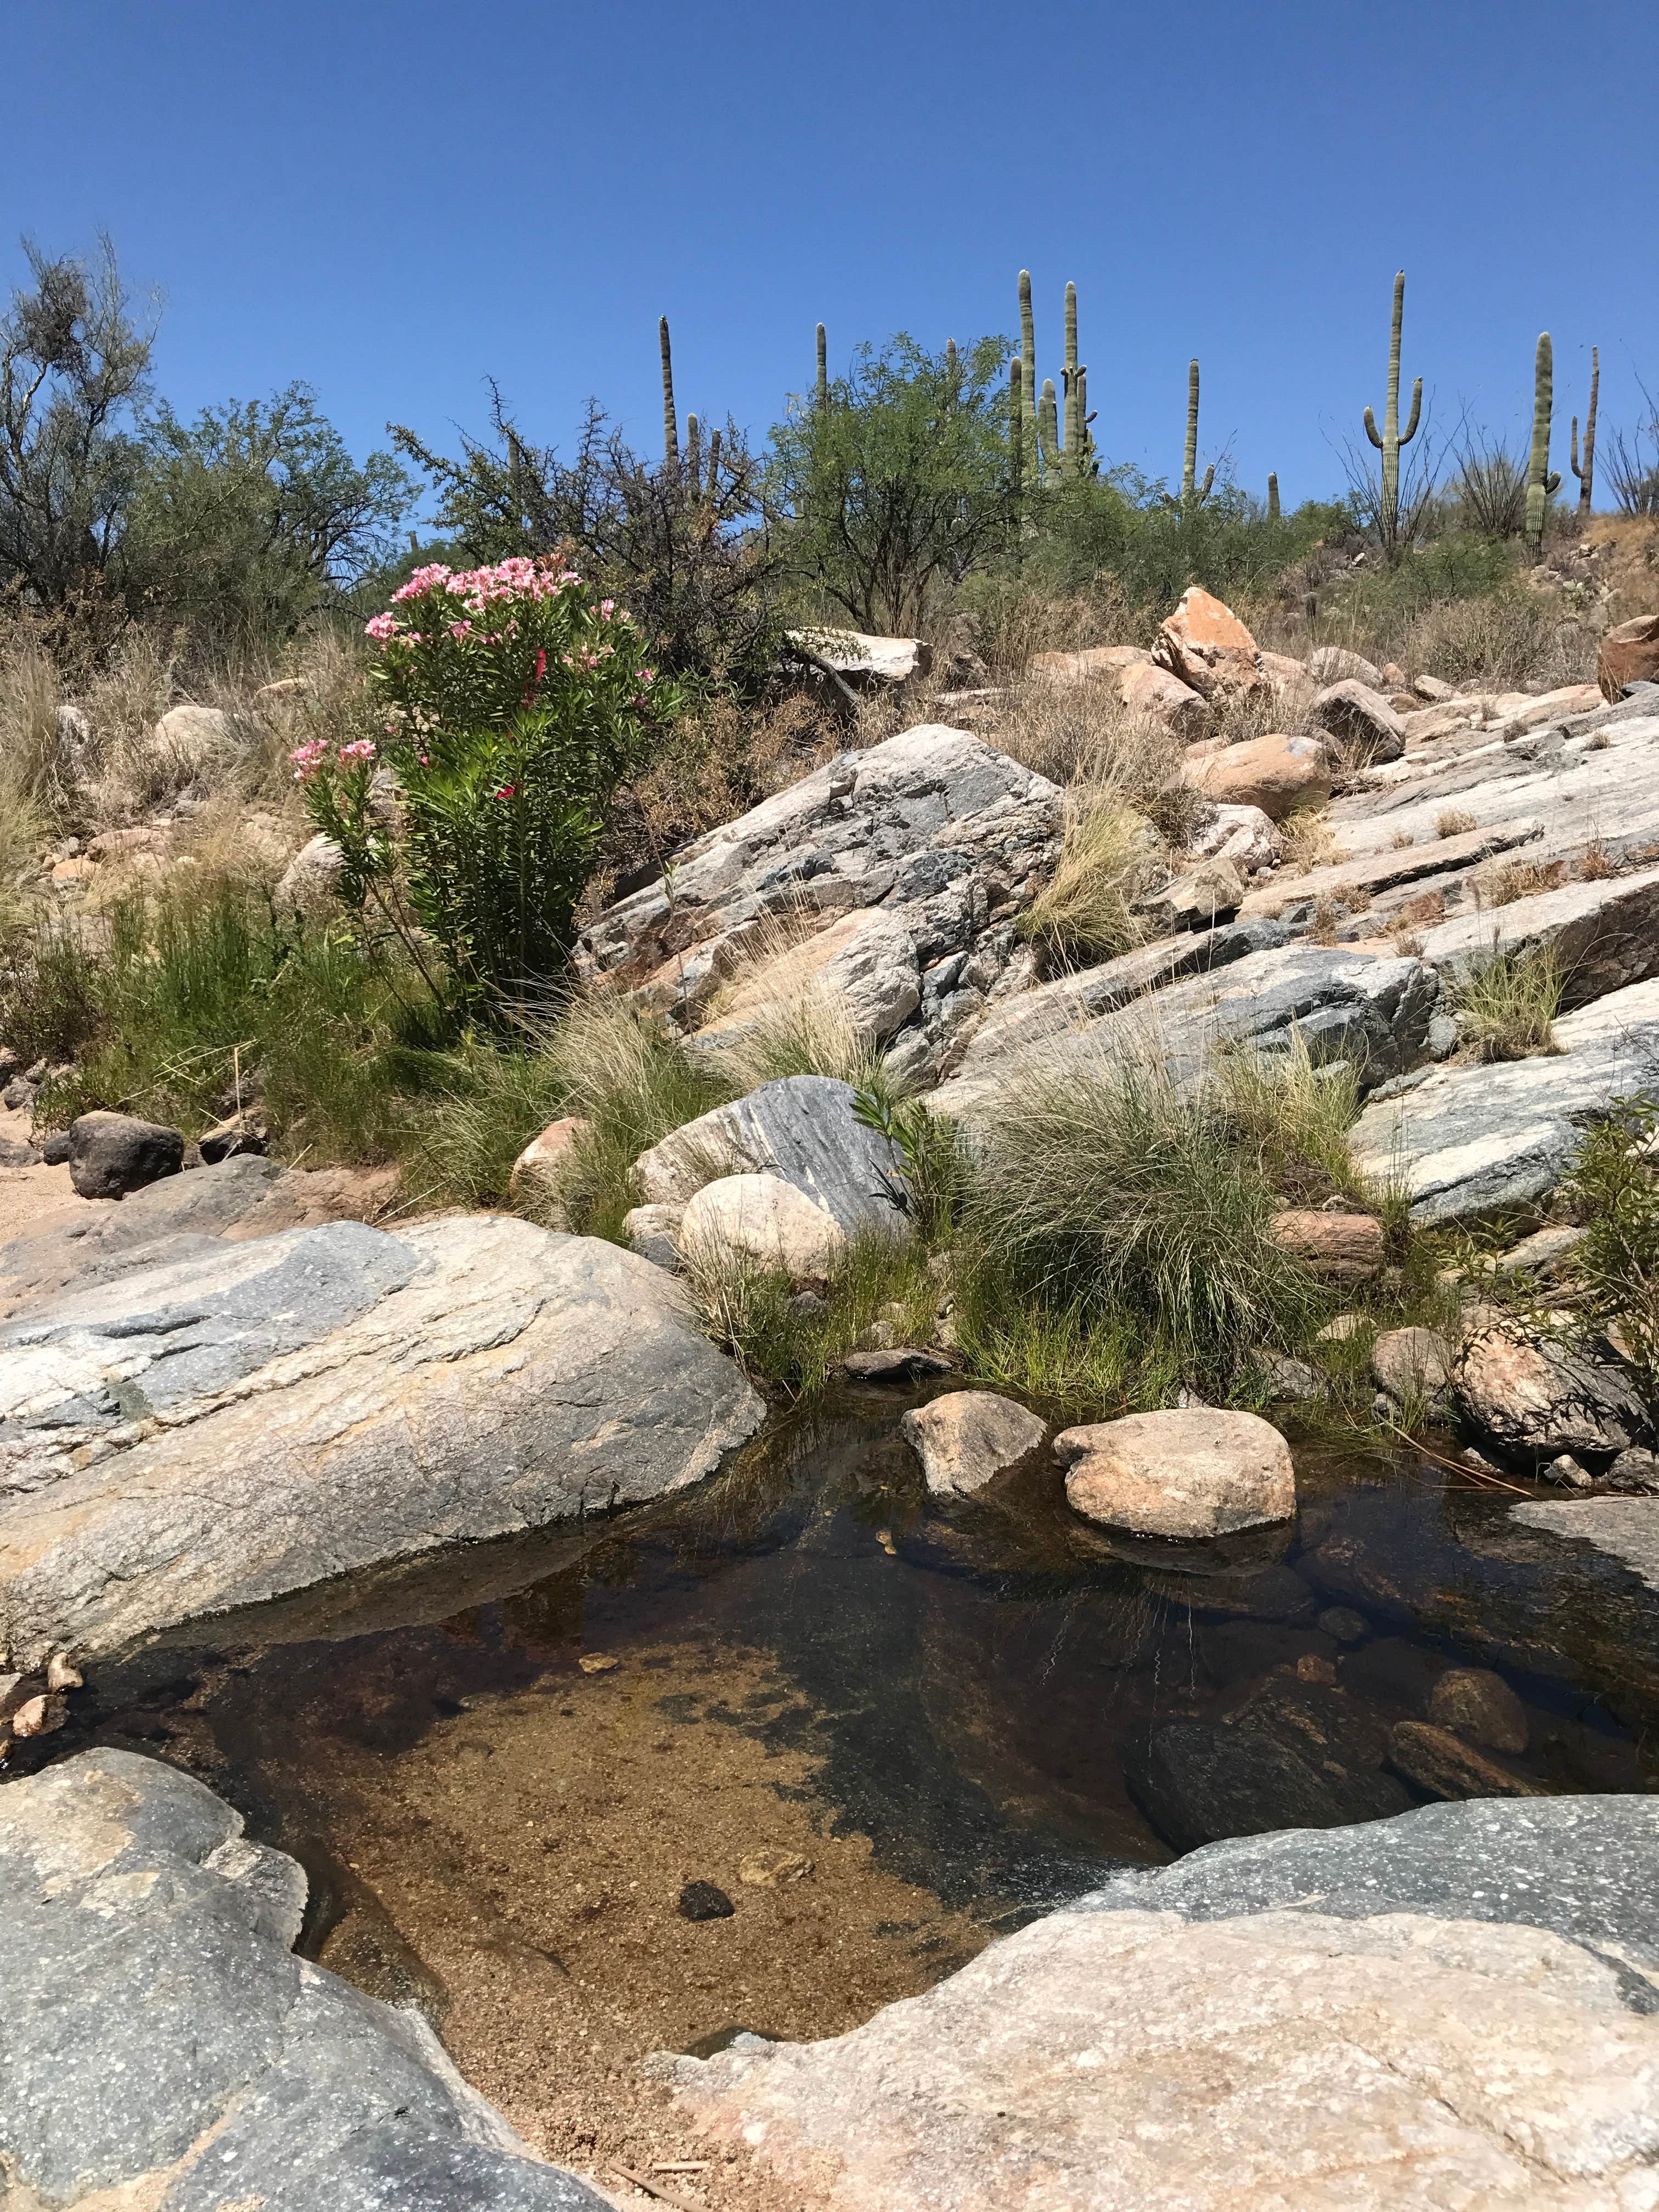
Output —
(1613, 1187)
(1085, 913)
(1507, 1003)
(750, 1311)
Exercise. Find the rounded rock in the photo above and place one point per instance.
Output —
(1194, 1472)
(765, 1220)
(966, 1437)
(110, 1154)
(701, 1901)
(1479, 1704)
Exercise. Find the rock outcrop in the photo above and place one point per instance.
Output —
(1456, 2006)
(164, 2047)
(254, 1417)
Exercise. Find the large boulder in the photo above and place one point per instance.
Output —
(1335, 664)
(802, 1128)
(164, 2046)
(1195, 1472)
(1360, 720)
(252, 1418)
(946, 838)
(863, 656)
(1536, 1397)
(764, 1220)
(1278, 775)
(1146, 688)
(110, 1154)
(1629, 655)
(966, 1436)
(1204, 645)
(1452, 2007)
(1092, 664)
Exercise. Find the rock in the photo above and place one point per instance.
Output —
(1342, 1622)
(966, 1437)
(18, 1094)
(946, 838)
(597, 1662)
(1204, 646)
(1360, 720)
(1431, 688)
(1292, 1380)
(146, 1935)
(1359, 881)
(1195, 900)
(37, 1716)
(1335, 664)
(898, 1363)
(1279, 775)
(1152, 691)
(1445, 1766)
(1542, 1253)
(1635, 1469)
(110, 1154)
(312, 876)
(701, 1901)
(767, 1870)
(858, 654)
(764, 1220)
(1244, 835)
(1567, 1472)
(1411, 1363)
(66, 874)
(1093, 663)
(61, 1674)
(1480, 1706)
(1196, 1473)
(535, 1181)
(1534, 1396)
(652, 1231)
(1604, 935)
(1469, 1141)
(1629, 655)
(282, 688)
(191, 739)
(1450, 2006)
(1289, 681)
(1341, 1248)
(247, 1132)
(801, 1129)
(257, 1417)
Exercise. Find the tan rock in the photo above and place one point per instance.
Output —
(1335, 664)
(37, 1715)
(967, 1437)
(75, 871)
(1479, 1704)
(1153, 691)
(1193, 899)
(1446, 1766)
(535, 1181)
(766, 1869)
(1194, 1473)
(1205, 646)
(1342, 1248)
(1410, 1363)
(1289, 680)
(1629, 655)
(761, 1218)
(1093, 663)
(1434, 690)
(1279, 775)
(1538, 1396)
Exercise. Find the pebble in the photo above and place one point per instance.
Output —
(765, 1869)
(1342, 1622)
(597, 1662)
(701, 1901)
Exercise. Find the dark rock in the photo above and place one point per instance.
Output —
(1479, 1704)
(246, 1132)
(1635, 1469)
(1344, 1623)
(1445, 1766)
(701, 1901)
(56, 1150)
(898, 1363)
(18, 1094)
(110, 1154)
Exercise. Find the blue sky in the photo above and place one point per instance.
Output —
(397, 201)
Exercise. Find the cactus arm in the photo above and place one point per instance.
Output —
(1538, 489)
(694, 454)
(1273, 495)
(1553, 483)
(1028, 364)
(1371, 430)
(671, 435)
(1189, 455)
(822, 387)
(713, 466)
(1587, 473)
(1204, 488)
(1048, 426)
(1572, 452)
(1410, 430)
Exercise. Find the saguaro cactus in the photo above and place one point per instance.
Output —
(1028, 363)
(1273, 496)
(1192, 496)
(1048, 428)
(1587, 473)
(694, 456)
(1393, 437)
(822, 386)
(1016, 453)
(1541, 486)
(671, 429)
(1072, 452)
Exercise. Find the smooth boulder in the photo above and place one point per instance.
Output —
(258, 1417)
(110, 1154)
(165, 2048)
(1193, 1473)
(1536, 1396)
(801, 1128)
(765, 1221)
(967, 1437)
(1278, 775)
(1360, 720)
(536, 1180)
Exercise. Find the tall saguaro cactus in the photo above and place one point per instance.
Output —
(1586, 474)
(822, 390)
(1192, 496)
(1048, 428)
(1059, 447)
(1028, 364)
(1273, 495)
(1393, 437)
(1015, 453)
(1541, 486)
(1072, 452)
(671, 429)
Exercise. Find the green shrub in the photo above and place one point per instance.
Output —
(748, 1308)
(1618, 1262)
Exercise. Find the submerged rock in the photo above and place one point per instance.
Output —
(1481, 1706)
(164, 2046)
(1195, 1472)
(1443, 1765)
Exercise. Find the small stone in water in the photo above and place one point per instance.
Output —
(765, 1869)
(39, 1717)
(701, 1901)
(597, 1662)
(1342, 1622)
(61, 1674)
(1311, 1668)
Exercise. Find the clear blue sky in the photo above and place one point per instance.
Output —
(397, 200)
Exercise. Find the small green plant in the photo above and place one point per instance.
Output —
(1507, 1002)
(1613, 1183)
(928, 1151)
(753, 1313)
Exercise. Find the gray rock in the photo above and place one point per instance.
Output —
(1604, 935)
(18, 1094)
(1543, 1253)
(865, 657)
(1625, 1528)
(1335, 664)
(163, 2045)
(1359, 719)
(1472, 1141)
(651, 1231)
(246, 1132)
(1567, 1471)
(1411, 1363)
(801, 1129)
(110, 1154)
(894, 1363)
(312, 876)
(261, 1417)
(1635, 1469)
(964, 1438)
(1377, 2014)
(765, 1222)
(1342, 1622)
(946, 838)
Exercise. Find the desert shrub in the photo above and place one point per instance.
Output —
(1007, 617)
(1507, 1001)
(1612, 1182)
(1491, 486)
(514, 698)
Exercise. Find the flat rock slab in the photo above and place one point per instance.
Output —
(164, 2048)
(1341, 1002)
(262, 1416)
(1625, 1528)
(802, 1130)
(1454, 2006)
(1604, 935)
(1466, 1141)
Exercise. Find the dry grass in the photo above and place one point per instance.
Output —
(1307, 840)
(1452, 822)
(1598, 865)
(776, 1014)
(1507, 1003)
(1505, 881)
(1085, 913)
(1082, 735)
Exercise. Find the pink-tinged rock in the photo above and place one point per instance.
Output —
(1629, 655)
(1090, 665)
(1204, 644)
(1341, 1248)
(536, 1174)
(1192, 1472)
(1150, 690)
(966, 1437)
(1361, 719)
(1279, 775)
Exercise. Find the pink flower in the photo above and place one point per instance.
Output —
(461, 630)
(382, 627)
(361, 749)
(507, 791)
(606, 609)
(423, 580)
(308, 759)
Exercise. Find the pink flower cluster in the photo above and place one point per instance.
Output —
(309, 757)
(515, 578)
